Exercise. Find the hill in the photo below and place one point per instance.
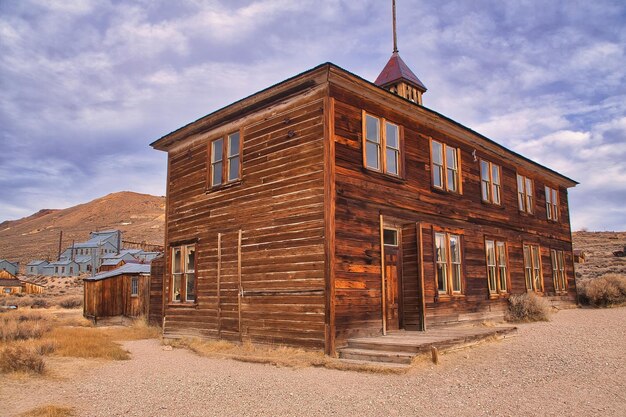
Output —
(599, 248)
(141, 217)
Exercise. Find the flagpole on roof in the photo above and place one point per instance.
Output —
(395, 37)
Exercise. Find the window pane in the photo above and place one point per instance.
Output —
(438, 176)
(455, 250)
(190, 264)
(440, 245)
(176, 287)
(233, 168)
(217, 152)
(437, 153)
(442, 278)
(495, 174)
(452, 180)
(491, 253)
(491, 275)
(216, 173)
(372, 129)
(392, 136)
(177, 261)
(371, 154)
(484, 170)
(456, 278)
(390, 237)
(233, 144)
(529, 187)
(191, 287)
(451, 157)
(548, 196)
(485, 190)
(496, 193)
(392, 161)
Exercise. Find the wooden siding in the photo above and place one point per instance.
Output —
(271, 283)
(362, 195)
(111, 297)
(32, 288)
(155, 309)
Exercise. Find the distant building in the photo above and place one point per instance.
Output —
(36, 267)
(9, 284)
(64, 268)
(12, 267)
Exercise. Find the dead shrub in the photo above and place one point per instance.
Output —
(18, 358)
(71, 302)
(40, 303)
(527, 307)
(607, 291)
(22, 326)
(49, 411)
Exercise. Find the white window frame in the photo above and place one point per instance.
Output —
(533, 274)
(445, 167)
(448, 263)
(490, 186)
(381, 143)
(497, 266)
(525, 194)
(552, 203)
(558, 270)
(183, 275)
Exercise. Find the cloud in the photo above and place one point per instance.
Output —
(87, 85)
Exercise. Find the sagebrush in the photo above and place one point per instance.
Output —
(528, 307)
(17, 358)
(606, 291)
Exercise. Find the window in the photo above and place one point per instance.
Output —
(134, 286)
(525, 194)
(552, 204)
(532, 268)
(390, 237)
(71, 269)
(496, 266)
(184, 273)
(558, 270)
(225, 160)
(381, 145)
(490, 182)
(448, 263)
(445, 164)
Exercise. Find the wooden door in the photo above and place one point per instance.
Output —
(392, 287)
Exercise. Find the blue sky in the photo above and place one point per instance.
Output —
(85, 86)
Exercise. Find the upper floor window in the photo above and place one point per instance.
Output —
(552, 204)
(490, 182)
(558, 270)
(448, 263)
(532, 268)
(184, 273)
(496, 266)
(381, 150)
(525, 194)
(225, 160)
(445, 166)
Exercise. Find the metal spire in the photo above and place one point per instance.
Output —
(395, 38)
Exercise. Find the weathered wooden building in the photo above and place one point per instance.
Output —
(9, 283)
(121, 292)
(327, 206)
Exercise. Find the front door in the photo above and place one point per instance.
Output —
(392, 279)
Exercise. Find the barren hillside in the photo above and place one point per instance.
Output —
(141, 217)
(599, 248)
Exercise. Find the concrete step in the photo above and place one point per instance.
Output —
(376, 355)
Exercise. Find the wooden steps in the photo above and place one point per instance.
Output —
(401, 347)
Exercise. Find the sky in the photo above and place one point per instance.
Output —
(87, 85)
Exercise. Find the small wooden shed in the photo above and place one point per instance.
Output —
(121, 292)
(9, 284)
(32, 287)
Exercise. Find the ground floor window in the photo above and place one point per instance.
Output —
(497, 273)
(558, 270)
(134, 286)
(532, 268)
(184, 273)
(448, 263)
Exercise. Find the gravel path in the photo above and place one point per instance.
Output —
(573, 365)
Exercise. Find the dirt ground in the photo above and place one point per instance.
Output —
(572, 365)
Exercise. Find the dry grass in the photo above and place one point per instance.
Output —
(17, 325)
(527, 307)
(20, 358)
(71, 302)
(606, 291)
(49, 411)
(85, 342)
(281, 356)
